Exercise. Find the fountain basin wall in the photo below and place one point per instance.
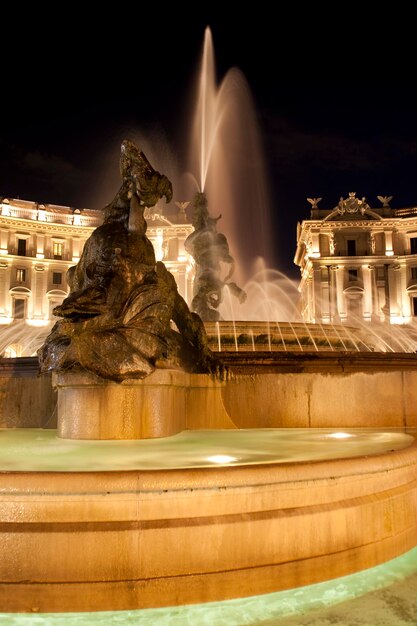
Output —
(120, 540)
(269, 389)
(160, 405)
(26, 399)
(321, 390)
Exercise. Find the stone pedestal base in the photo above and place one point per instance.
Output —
(163, 404)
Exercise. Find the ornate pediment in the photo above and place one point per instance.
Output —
(352, 205)
(352, 209)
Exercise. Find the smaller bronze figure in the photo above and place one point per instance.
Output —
(210, 250)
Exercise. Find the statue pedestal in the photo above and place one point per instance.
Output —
(163, 404)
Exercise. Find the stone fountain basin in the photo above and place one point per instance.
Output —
(267, 390)
(98, 540)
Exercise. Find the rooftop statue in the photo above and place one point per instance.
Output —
(212, 256)
(314, 202)
(116, 320)
(385, 200)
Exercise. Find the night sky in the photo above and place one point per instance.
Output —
(336, 103)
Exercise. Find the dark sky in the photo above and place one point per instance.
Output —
(336, 101)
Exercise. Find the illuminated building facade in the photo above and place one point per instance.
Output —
(358, 263)
(39, 242)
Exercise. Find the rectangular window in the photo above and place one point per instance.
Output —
(414, 273)
(413, 245)
(21, 247)
(325, 274)
(20, 275)
(57, 250)
(19, 309)
(57, 278)
(415, 307)
(353, 275)
(351, 247)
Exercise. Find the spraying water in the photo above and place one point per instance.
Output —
(226, 156)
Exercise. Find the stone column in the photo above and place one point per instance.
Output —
(3, 289)
(39, 292)
(340, 296)
(367, 293)
(40, 243)
(157, 244)
(389, 251)
(189, 284)
(315, 243)
(392, 288)
(332, 294)
(375, 299)
(309, 293)
(317, 294)
(76, 249)
(4, 241)
(181, 280)
(326, 297)
(405, 304)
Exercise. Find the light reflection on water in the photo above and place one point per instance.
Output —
(41, 450)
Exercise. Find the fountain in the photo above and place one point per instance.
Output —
(170, 483)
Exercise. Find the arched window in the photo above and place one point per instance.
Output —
(55, 298)
(20, 298)
(13, 351)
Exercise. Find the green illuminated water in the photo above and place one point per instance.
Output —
(41, 450)
(385, 595)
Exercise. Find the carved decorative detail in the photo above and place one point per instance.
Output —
(371, 242)
(352, 205)
(385, 223)
(332, 244)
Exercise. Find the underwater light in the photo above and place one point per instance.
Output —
(221, 459)
(340, 435)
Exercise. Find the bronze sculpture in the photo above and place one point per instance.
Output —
(210, 250)
(117, 317)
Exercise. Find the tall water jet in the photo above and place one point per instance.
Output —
(226, 157)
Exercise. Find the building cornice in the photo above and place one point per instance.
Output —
(399, 223)
(46, 227)
(173, 230)
(82, 231)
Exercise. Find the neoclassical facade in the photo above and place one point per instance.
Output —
(39, 242)
(358, 264)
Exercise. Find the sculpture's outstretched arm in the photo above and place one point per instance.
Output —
(239, 293)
